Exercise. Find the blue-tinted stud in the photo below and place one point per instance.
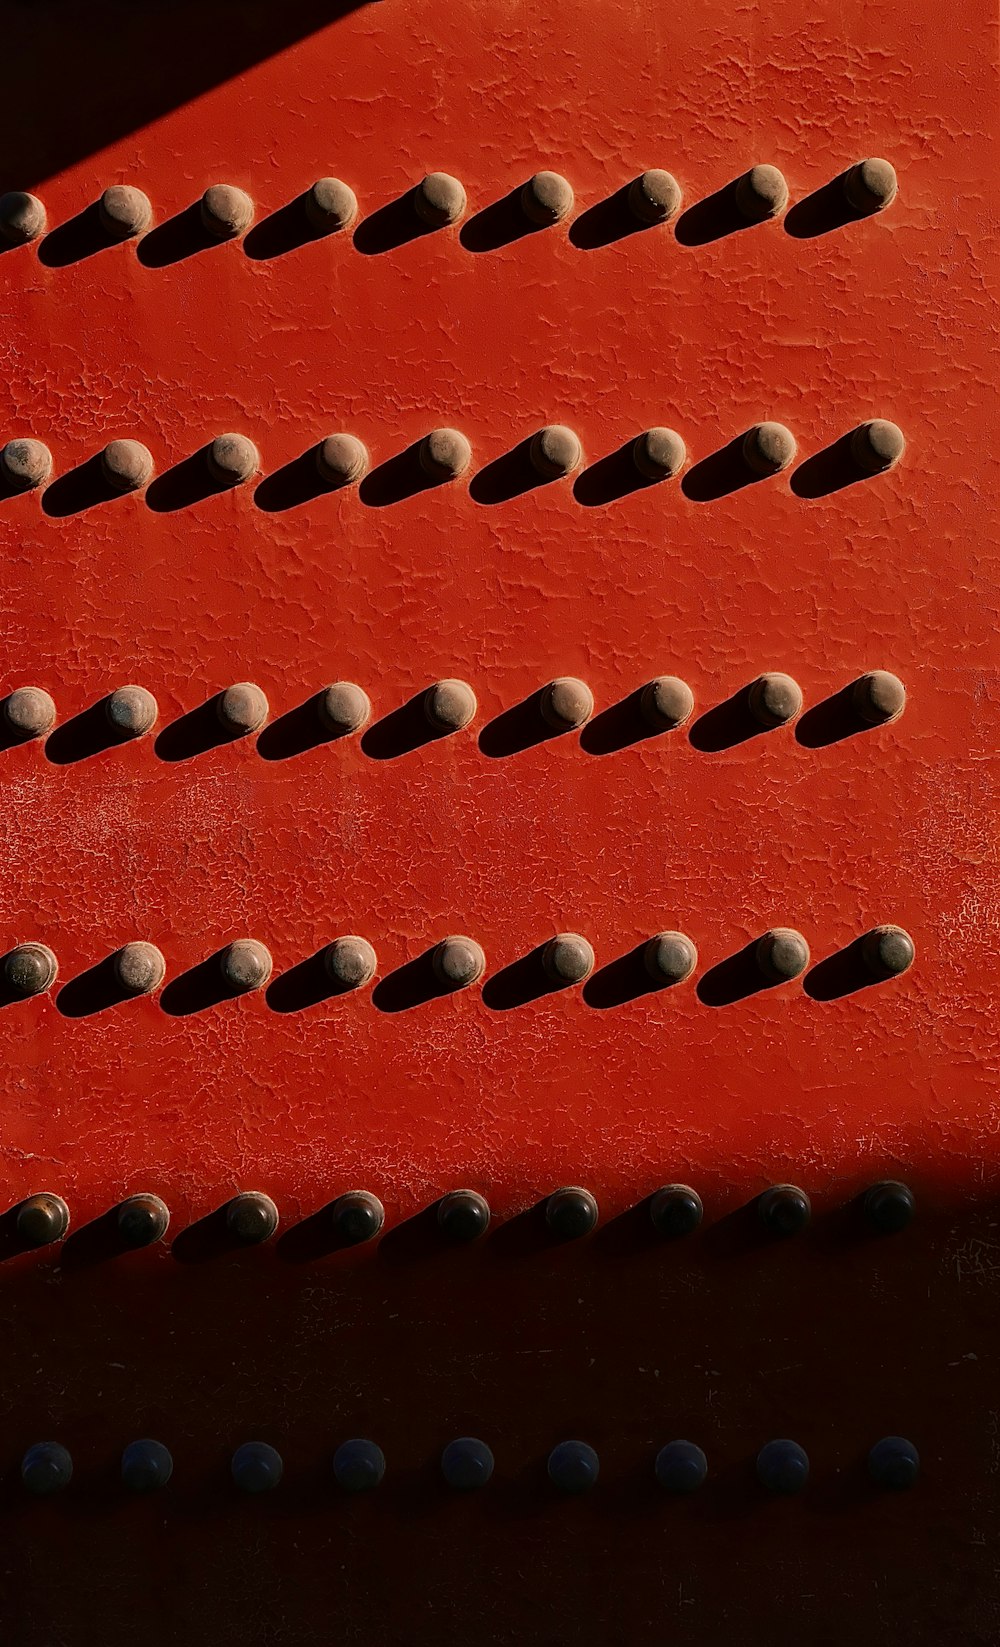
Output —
(894, 1462)
(146, 1466)
(46, 1468)
(358, 1466)
(782, 1467)
(256, 1467)
(466, 1464)
(681, 1467)
(573, 1467)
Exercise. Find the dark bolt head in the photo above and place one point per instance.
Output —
(887, 951)
(350, 962)
(676, 1210)
(25, 464)
(659, 454)
(142, 1220)
(449, 705)
(761, 193)
(784, 1210)
(146, 1466)
(139, 968)
(126, 464)
(681, 1467)
(768, 448)
(566, 704)
(46, 1468)
(894, 1463)
(439, 200)
(245, 964)
(358, 1466)
(22, 217)
(781, 954)
(666, 703)
(344, 708)
(546, 198)
(444, 454)
(878, 697)
(232, 459)
(331, 205)
(782, 1467)
(42, 1219)
(669, 958)
(251, 1217)
(463, 1216)
(256, 1467)
(555, 451)
(124, 211)
(458, 962)
(654, 197)
(357, 1217)
(890, 1206)
(226, 211)
(466, 1464)
(341, 460)
(131, 711)
(571, 1212)
(30, 969)
(877, 446)
(29, 712)
(871, 185)
(573, 1467)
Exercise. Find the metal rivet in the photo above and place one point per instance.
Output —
(877, 445)
(131, 710)
(25, 464)
(567, 958)
(256, 1467)
(546, 198)
(342, 460)
(784, 1210)
(894, 1462)
(466, 1464)
(659, 454)
(774, 699)
(232, 459)
(30, 969)
(888, 951)
(566, 703)
(124, 211)
(681, 1467)
(890, 1206)
(463, 1215)
(146, 1466)
(782, 954)
(143, 1220)
(29, 712)
(666, 703)
(245, 964)
(654, 197)
(358, 1466)
(670, 957)
(676, 1210)
(768, 448)
(761, 193)
(350, 961)
(242, 708)
(251, 1217)
(439, 199)
(871, 185)
(331, 205)
(140, 967)
(42, 1219)
(449, 705)
(357, 1217)
(458, 962)
(226, 211)
(782, 1467)
(126, 464)
(573, 1467)
(46, 1468)
(571, 1212)
(344, 707)
(878, 697)
(445, 454)
(555, 451)
(22, 217)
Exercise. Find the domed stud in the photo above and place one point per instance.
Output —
(555, 452)
(146, 1466)
(573, 1467)
(350, 961)
(445, 454)
(25, 464)
(245, 964)
(357, 1217)
(890, 1206)
(782, 1468)
(256, 1467)
(458, 962)
(654, 197)
(761, 193)
(546, 198)
(670, 958)
(139, 968)
(449, 705)
(567, 959)
(878, 697)
(30, 969)
(774, 699)
(784, 1210)
(887, 951)
(232, 459)
(242, 708)
(142, 1221)
(46, 1468)
(22, 217)
(666, 703)
(358, 1466)
(131, 711)
(251, 1218)
(871, 185)
(463, 1216)
(29, 712)
(571, 1213)
(226, 211)
(342, 460)
(768, 448)
(331, 205)
(781, 954)
(41, 1220)
(659, 454)
(676, 1210)
(894, 1463)
(566, 704)
(126, 465)
(344, 708)
(681, 1468)
(439, 200)
(124, 211)
(466, 1464)
(877, 445)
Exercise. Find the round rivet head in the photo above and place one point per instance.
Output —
(29, 712)
(22, 217)
(146, 1466)
(232, 459)
(555, 451)
(676, 1210)
(30, 969)
(546, 198)
(573, 1467)
(331, 205)
(358, 1466)
(768, 448)
(124, 211)
(42, 1219)
(784, 1210)
(871, 185)
(568, 958)
(46, 1468)
(659, 454)
(439, 199)
(774, 699)
(242, 708)
(782, 954)
(143, 1220)
(445, 454)
(681, 1468)
(25, 464)
(350, 961)
(131, 711)
(666, 703)
(458, 962)
(571, 1212)
(245, 964)
(878, 697)
(226, 211)
(894, 1463)
(140, 967)
(654, 197)
(890, 1206)
(449, 705)
(566, 704)
(357, 1217)
(670, 958)
(256, 1467)
(888, 951)
(877, 445)
(782, 1467)
(344, 708)
(463, 1216)
(342, 460)
(251, 1217)
(761, 193)
(466, 1464)
(126, 464)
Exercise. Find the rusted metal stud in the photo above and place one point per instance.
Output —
(256, 1467)
(445, 454)
(568, 959)
(878, 697)
(871, 185)
(666, 703)
(246, 964)
(555, 451)
(463, 1215)
(25, 464)
(251, 1217)
(659, 454)
(242, 708)
(357, 1217)
(894, 1463)
(226, 211)
(573, 1467)
(571, 1212)
(30, 969)
(232, 459)
(676, 1210)
(784, 1210)
(46, 1468)
(761, 193)
(680, 1468)
(466, 1464)
(877, 445)
(782, 1467)
(566, 704)
(890, 1206)
(146, 1466)
(449, 705)
(143, 1220)
(546, 198)
(331, 205)
(358, 1466)
(670, 958)
(140, 967)
(126, 464)
(768, 448)
(131, 711)
(344, 708)
(124, 211)
(22, 217)
(458, 962)
(42, 1219)
(342, 460)
(654, 197)
(29, 712)
(439, 200)
(888, 951)
(774, 699)
(782, 954)
(350, 961)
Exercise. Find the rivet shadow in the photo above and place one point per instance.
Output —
(94, 1243)
(306, 984)
(720, 474)
(78, 238)
(11, 1245)
(179, 237)
(207, 1238)
(831, 721)
(607, 221)
(828, 471)
(396, 479)
(522, 981)
(842, 973)
(296, 732)
(400, 732)
(390, 227)
(284, 231)
(734, 979)
(419, 1239)
(507, 477)
(198, 988)
(295, 483)
(92, 991)
(726, 725)
(618, 727)
(610, 478)
(827, 208)
(317, 1236)
(187, 483)
(518, 728)
(84, 735)
(410, 985)
(499, 224)
(194, 733)
(712, 218)
(621, 980)
(82, 488)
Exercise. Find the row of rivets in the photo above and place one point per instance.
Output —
(439, 201)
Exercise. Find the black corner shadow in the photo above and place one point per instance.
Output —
(609, 220)
(712, 218)
(76, 239)
(618, 727)
(831, 721)
(828, 471)
(410, 985)
(317, 1236)
(720, 474)
(392, 226)
(400, 732)
(623, 979)
(81, 488)
(824, 210)
(296, 483)
(726, 725)
(83, 736)
(840, 974)
(286, 230)
(610, 478)
(92, 991)
(306, 984)
(507, 477)
(187, 483)
(194, 733)
(396, 479)
(522, 981)
(198, 988)
(296, 732)
(181, 236)
(498, 224)
(734, 979)
(210, 1237)
(518, 728)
